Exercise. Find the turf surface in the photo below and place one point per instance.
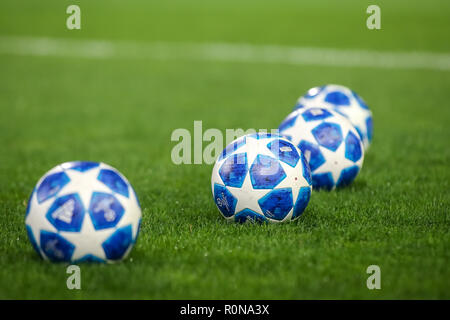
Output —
(122, 112)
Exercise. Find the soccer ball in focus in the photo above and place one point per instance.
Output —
(83, 211)
(345, 102)
(329, 142)
(261, 178)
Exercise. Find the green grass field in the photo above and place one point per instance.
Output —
(122, 111)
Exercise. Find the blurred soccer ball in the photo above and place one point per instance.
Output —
(261, 177)
(83, 211)
(345, 102)
(329, 142)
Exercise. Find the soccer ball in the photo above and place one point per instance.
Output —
(83, 211)
(261, 178)
(345, 102)
(329, 142)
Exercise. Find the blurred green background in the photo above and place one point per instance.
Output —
(122, 111)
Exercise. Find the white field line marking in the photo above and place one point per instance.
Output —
(99, 49)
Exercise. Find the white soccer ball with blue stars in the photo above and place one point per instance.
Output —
(83, 211)
(329, 142)
(344, 101)
(261, 178)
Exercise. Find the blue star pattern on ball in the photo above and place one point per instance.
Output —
(330, 143)
(261, 178)
(343, 101)
(83, 211)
